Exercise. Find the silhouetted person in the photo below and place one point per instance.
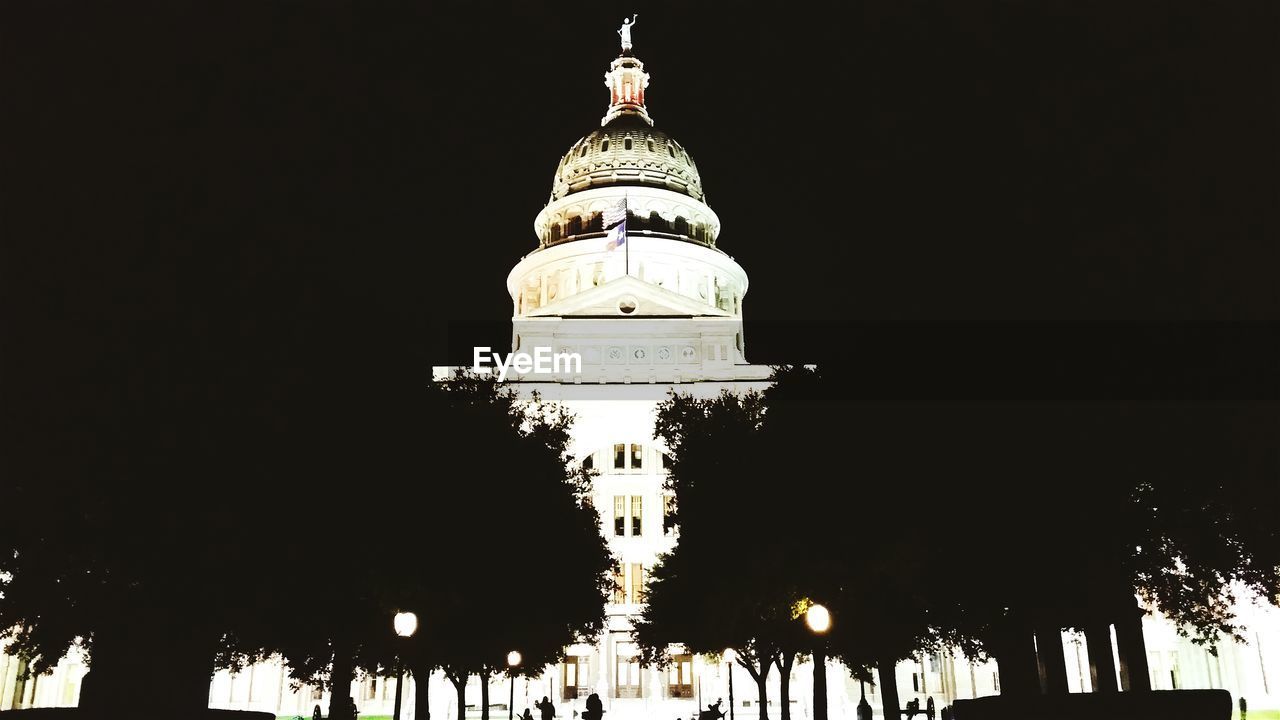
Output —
(713, 711)
(315, 714)
(546, 708)
(595, 710)
(528, 715)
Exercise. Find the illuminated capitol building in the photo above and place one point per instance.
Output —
(629, 275)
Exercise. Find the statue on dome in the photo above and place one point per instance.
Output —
(625, 31)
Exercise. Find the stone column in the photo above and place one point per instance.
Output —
(1135, 675)
(1102, 666)
(1053, 662)
(1017, 664)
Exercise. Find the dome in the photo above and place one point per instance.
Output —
(627, 151)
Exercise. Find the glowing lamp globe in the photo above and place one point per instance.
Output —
(513, 658)
(406, 624)
(729, 655)
(818, 618)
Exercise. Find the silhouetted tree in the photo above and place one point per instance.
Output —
(484, 595)
(1073, 506)
(451, 549)
(730, 582)
(853, 521)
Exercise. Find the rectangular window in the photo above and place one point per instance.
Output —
(619, 515)
(589, 462)
(668, 527)
(637, 456)
(666, 461)
(619, 586)
(637, 583)
(637, 503)
(626, 672)
(680, 677)
(619, 456)
(575, 678)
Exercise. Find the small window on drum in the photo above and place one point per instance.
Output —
(650, 144)
(626, 144)
(604, 145)
(671, 151)
(583, 153)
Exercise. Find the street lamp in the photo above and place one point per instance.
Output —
(405, 624)
(729, 657)
(818, 618)
(513, 660)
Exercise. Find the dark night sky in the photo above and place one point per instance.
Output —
(923, 175)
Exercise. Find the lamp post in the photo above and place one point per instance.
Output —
(405, 624)
(730, 656)
(818, 618)
(513, 661)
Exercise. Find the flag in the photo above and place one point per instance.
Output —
(617, 236)
(614, 214)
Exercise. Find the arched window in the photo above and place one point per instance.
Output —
(626, 144)
(671, 150)
(681, 225)
(604, 145)
(575, 225)
(650, 144)
(584, 151)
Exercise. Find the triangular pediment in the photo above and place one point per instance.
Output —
(649, 300)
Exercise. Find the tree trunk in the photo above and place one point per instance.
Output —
(178, 685)
(888, 672)
(1053, 661)
(421, 699)
(1135, 675)
(785, 662)
(819, 685)
(1102, 665)
(341, 704)
(460, 685)
(761, 676)
(484, 695)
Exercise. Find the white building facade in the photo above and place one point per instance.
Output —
(652, 305)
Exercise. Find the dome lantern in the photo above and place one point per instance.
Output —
(626, 81)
